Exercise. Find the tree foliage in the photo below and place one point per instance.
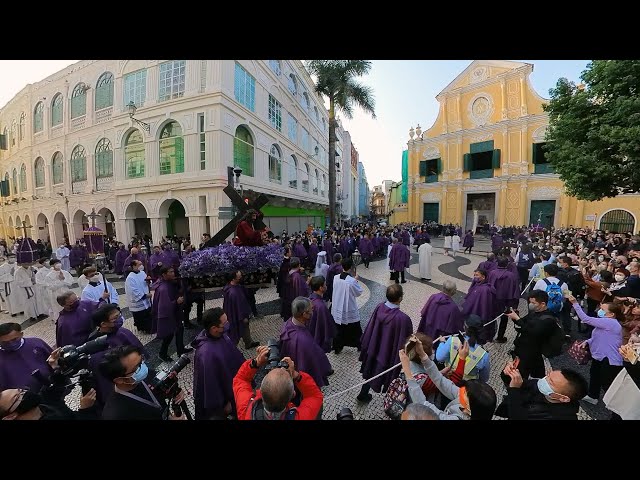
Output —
(593, 140)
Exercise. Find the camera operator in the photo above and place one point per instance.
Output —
(132, 398)
(22, 404)
(273, 400)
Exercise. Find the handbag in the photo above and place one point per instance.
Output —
(580, 352)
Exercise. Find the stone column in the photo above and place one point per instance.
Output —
(197, 226)
(503, 204)
(565, 204)
(579, 213)
(48, 178)
(55, 241)
(462, 213)
(158, 229)
(89, 109)
(504, 103)
(523, 98)
(523, 203)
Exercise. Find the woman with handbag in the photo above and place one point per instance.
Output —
(605, 342)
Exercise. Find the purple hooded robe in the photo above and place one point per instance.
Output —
(74, 327)
(236, 306)
(480, 300)
(16, 366)
(322, 327)
(399, 257)
(297, 343)
(165, 311)
(440, 316)
(121, 256)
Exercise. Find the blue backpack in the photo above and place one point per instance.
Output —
(556, 299)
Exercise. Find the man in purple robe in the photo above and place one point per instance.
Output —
(171, 257)
(440, 315)
(313, 252)
(343, 247)
(334, 269)
(215, 364)
(322, 327)
(156, 262)
(506, 284)
(366, 250)
(135, 255)
(295, 286)
(236, 306)
(327, 246)
(108, 321)
(74, 323)
(399, 259)
(77, 259)
(481, 298)
(385, 334)
(405, 237)
(468, 241)
(489, 264)
(297, 343)
(20, 356)
(375, 241)
(299, 251)
(121, 256)
(166, 313)
(496, 242)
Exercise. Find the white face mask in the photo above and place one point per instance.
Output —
(619, 277)
(57, 266)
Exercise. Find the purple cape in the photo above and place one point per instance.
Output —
(399, 257)
(313, 254)
(480, 300)
(440, 316)
(297, 343)
(385, 335)
(216, 362)
(334, 269)
(236, 306)
(327, 246)
(343, 248)
(153, 263)
(16, 367)
(487, 266)
(496, 242)
(165, 309)
(121, 256)
(76, 257)
(405, 238)
(299, 251)
(122, 336)
(73, 328)
(506, 284)
(365, 247)
(294, 286)
(283, 273)
(138, 256)
(322, 327)
(468, 241)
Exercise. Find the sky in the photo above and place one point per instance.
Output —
(404, 91)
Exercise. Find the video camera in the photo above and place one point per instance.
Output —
(165, 385)
(73, 368)
(273, 362)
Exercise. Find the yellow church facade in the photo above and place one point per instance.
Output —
(482, 160)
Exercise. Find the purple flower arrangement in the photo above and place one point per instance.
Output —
(227, 258)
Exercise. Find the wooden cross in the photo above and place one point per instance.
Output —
(24, 228)
(93, 217)
(242, 207)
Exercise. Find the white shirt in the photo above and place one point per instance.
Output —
(94, 293)
(541, 285)
(136, 287)
(41, 276)
(83, 281)
(344, 307)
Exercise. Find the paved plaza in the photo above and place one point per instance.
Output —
(346, 365)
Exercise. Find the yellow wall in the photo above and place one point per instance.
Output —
(516, 121)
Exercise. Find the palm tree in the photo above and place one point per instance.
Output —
(336, 79)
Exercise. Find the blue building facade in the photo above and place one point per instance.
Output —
(364, 194)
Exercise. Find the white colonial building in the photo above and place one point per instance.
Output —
(73, 146)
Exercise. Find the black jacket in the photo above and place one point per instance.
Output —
(122, 407)
(527, 403)
(534, 331)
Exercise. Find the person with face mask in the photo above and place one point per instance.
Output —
(24, 292)
(480, 299)
(74, 322)
(19, 356)
(132, 399)
(555, 396)
(9, 296)
(120, 256)
(619, 288)
(478, 364)
(99, 289)
(62, 254)
(83, 280)
(58, 281)
(23, 404)
(40, 288)
(108, 321)
(137, 289)
(322, 327)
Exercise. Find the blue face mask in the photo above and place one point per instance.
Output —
(12, 345)
(601, 313)
(544, 387)
(141, 373)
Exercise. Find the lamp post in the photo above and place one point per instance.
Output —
(131, 107)
(237, 172)
(356, 257)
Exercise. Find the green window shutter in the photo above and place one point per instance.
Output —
(179, 146)
(496, 158)
(481, 147)
(466, 162)
(534, 154)
(423, 168)
(439, 166)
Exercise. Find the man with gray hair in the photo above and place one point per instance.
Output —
(418, 411)
(273, 400)
(297, 342)
(440, 315)
(74, 324)
(489, 264)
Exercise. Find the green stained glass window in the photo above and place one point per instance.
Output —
(58, 168)
(15, 181)
(79, 101)
(134, 155)
(23, 178)
(243, 151)
(104, 159)
(78, 164)
(104, 91)
(244, 88)
(38, 115)
(39, 172)
(171, 149)
(56, 110)
(275, 164)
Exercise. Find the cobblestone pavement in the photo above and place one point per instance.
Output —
(346, 365)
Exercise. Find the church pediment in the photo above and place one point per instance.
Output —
(479, 71)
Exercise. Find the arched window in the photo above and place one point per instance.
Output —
(171, 149)
(305, 178)
(618, 221)
(15, 181)
(56, 110)
(78, 164)
(293, 172)
(58, 168)
(38, 169)
(14, 132)
(316, 114)
(293, 84)
(79, 101)
(23, 178)
(38, 117)
(134, 155)
(21, 127)
(243, 151)
(305, 101)
(104, 159)
(323, 185)
(315, 181)
(104, 91)
(275, 164)
(275, 66)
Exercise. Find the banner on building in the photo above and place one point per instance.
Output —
(405, 176)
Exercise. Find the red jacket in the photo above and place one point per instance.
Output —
(247, 236)
(309, 408)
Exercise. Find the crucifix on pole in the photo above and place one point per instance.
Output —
(24, 228)
(93, 217)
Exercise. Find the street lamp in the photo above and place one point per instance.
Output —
(356, 257)
(131, 107)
